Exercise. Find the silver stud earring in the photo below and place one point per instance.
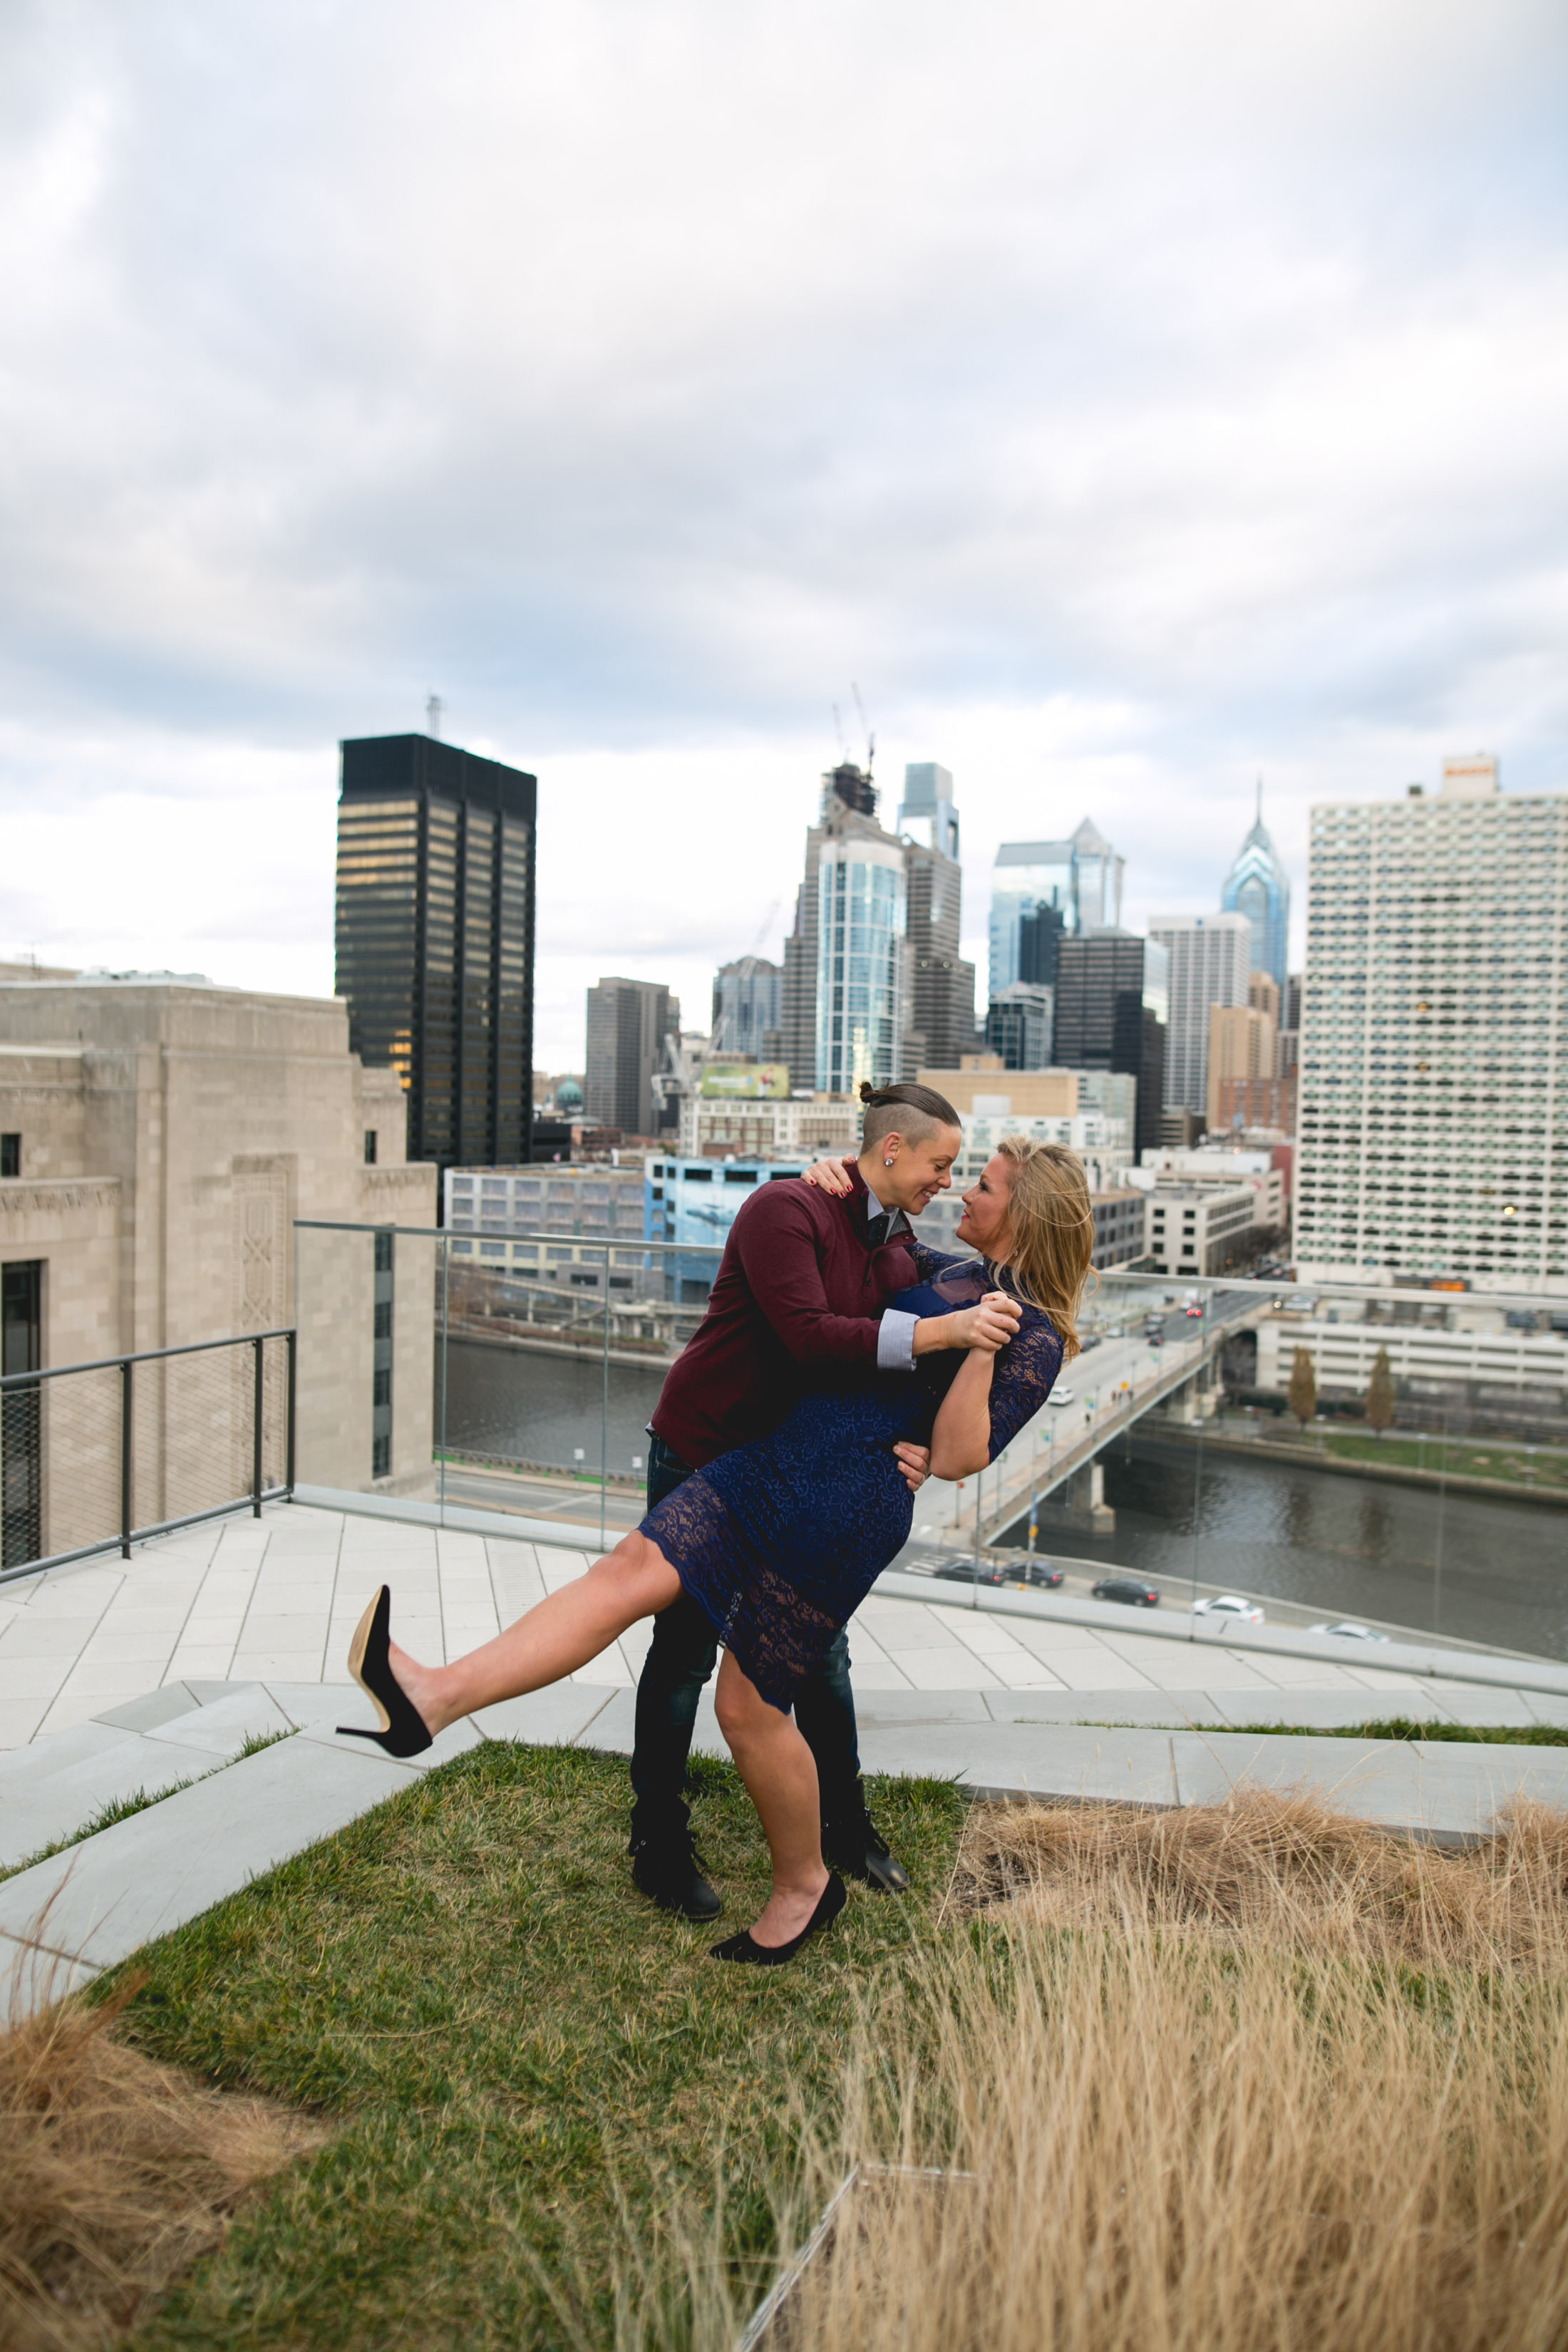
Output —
(887, 1164)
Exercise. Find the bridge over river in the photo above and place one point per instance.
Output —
(1054, 1462)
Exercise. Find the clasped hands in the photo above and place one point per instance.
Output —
(986, 1325)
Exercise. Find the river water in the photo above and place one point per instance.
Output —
(1495, 1573)
(1478, 1570)
(527, 1407)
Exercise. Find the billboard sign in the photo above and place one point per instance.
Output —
(746, 1082)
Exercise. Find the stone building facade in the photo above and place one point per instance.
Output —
(166, 1135)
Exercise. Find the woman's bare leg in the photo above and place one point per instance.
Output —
(780, 1774)
(555, 1637)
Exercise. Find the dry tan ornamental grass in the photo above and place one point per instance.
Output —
(1283, 1868)
(1248, 2078)
(115, 2174)
(1177, 2148)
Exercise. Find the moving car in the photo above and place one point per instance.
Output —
(1228, 1604)
(1349, 1633)
(1130, 1589)
(1060, 1396)
(1090, 1339)
(1193, 1310)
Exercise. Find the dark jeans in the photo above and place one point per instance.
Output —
(683, 1655)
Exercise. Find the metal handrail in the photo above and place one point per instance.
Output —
(140, 1356)
(124, 1365)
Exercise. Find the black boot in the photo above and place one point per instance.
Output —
(852, 1843)
(670, 1870)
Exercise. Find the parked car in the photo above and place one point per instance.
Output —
(1060, 1396)
(996, 1576)
(1090, 1339)
(1228, 1604)
(1349, 1633)
(969, 1571)
(1130, 1589)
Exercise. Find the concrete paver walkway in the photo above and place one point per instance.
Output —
(275, 1599)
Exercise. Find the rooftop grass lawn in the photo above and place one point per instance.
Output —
(515, 2048)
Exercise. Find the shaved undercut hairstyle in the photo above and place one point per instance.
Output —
(913, 1112)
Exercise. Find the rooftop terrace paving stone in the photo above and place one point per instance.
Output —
(1315, 1710)
(24, 1767)
(1446, 1790)
(891, 1710)
(99, 1901)
(57, 1804)
(1167, 1710)
(222, 1728)
(562, 1716)
(1047, 1760)
(165, 1705)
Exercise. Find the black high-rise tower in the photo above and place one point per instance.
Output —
(1108, 1016)
(435, 939)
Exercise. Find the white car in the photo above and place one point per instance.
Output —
(1060, 1396)
(1228, 1604)
(1349, 1633)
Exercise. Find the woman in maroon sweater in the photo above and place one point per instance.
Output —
(779, 1536)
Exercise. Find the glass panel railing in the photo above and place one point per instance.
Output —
(1395, 1460)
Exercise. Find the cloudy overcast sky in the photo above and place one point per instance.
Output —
(1131, 400)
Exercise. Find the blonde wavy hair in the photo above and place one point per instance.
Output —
(1051, 1220)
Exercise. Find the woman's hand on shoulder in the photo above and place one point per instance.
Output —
(830, 1176)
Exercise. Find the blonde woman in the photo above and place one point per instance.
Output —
(779, 1540)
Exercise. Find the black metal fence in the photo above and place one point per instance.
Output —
(95, 1457)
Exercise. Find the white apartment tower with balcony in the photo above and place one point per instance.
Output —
(1435, 1039)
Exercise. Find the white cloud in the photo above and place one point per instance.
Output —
(1130, 399)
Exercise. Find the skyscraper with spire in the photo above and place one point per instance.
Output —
(1257, 886)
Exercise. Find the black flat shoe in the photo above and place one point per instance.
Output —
(772, 1956)
(402, 1730)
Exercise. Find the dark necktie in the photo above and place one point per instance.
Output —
(877, 1230)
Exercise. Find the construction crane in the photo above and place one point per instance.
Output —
(871, 738)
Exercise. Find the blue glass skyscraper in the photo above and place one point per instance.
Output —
(1257, 886)
(1078, 881)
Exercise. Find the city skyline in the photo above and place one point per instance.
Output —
(561, 984)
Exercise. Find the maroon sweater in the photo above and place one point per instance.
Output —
(799, 1292)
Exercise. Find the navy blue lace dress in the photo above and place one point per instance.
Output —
(780, 1539)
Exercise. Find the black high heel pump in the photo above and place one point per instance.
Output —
(403, 1729)
(750, 1954)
